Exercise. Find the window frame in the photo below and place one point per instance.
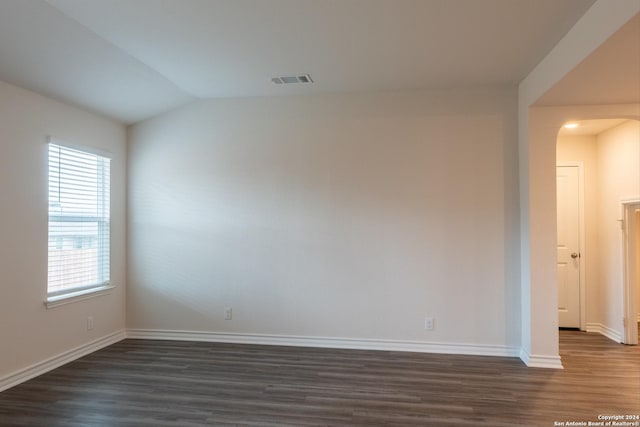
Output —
(102, 286)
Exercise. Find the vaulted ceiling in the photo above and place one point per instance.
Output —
(132, 59)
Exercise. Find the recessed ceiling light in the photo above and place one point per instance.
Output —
(571, 125)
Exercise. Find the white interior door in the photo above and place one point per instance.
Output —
(568, 246)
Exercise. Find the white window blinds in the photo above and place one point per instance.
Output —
(78, 220)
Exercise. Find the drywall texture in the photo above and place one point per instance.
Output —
(618, 152)
(29, 332)
(583, 149)
(331, 216)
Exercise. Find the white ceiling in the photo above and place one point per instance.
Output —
(610, 75)
(133, 59)
(590, 127)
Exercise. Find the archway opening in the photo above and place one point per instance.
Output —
(597, 172)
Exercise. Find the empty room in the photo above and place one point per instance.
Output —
(319, 212)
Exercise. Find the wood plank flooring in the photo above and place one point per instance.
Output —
(168, 383)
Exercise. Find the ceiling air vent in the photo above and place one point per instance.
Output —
(304, 78)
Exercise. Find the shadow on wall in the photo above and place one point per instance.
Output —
(357, 219)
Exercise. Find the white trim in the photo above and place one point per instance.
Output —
(540, 361)
(605, 330)
(324, 342)
(25, 374)
(79, 147)
(581, 240)
(630, 201)
(51, 363)
(81, 295)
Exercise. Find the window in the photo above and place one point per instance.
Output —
(78, 222)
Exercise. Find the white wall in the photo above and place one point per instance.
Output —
(618, 152)
(30, 333)
(329, 216)
(583, 149)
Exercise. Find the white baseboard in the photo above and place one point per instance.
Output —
(599, 328)
(540, 361)
(51, 363)
(343, 343)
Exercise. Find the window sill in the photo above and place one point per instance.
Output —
(72, 297)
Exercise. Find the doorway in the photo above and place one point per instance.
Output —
(597, 169)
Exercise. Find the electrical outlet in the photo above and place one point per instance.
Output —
(89, 323)
(428, 323)
(227, 313)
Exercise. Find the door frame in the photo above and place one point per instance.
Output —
(581, 239)
(630, 270)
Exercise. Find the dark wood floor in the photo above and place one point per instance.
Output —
(162, 383)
